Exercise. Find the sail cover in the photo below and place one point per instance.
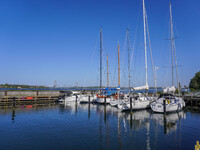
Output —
(145, 87)
(169, 89)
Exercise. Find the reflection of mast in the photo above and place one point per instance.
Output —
(165, 124)
(131, 120)
(100, 129)
(104, 113)
(107, 132)
(148, 137)
(119, 133)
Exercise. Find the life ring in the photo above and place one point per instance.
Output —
(167, 101)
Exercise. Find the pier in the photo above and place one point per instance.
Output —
(22, 97)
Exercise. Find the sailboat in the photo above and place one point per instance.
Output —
(118, 99)
(167, 102)
(141, 101)
(105, 94)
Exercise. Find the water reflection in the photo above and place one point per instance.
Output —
(94, 126)
(136, 120)
(143, 121)
(13, 115)
(169, 121)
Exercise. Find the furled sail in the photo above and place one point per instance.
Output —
(169, 89)
(145, 87)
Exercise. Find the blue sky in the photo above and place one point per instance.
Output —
(46, 40)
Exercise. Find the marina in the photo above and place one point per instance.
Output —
(99, 75)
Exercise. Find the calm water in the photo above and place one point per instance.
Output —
(87, 126)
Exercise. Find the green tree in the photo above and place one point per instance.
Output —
(195, 82)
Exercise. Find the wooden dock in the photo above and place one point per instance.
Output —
(192, 101)
(23, 97)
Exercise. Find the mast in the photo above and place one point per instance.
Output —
(100, 58)
(107, 72)
(145, 44)
(118, 67)
(129, 74)
(171, 38)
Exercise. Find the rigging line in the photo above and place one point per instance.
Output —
(91, 60)
(123, 55)
(176, 66)
(115, 69)
(151, 52)
(134, 41)
(122, 62)
(125, 78)
(171, 37)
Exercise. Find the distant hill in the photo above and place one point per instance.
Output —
(17, 86)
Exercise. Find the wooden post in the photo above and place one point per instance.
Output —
(89, 110)
(89, 99)
(131, 120)
(131, 103)
(6, 93)
(164, 106)
(104, 100)
(14, 101)
(76, 98)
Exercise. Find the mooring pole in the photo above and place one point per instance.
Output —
(76, 98)
(13, 101)
(89, 110)
(131, 103)
(104, 100)
(164, 106)
(89, 99)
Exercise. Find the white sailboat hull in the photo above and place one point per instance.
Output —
(102, 100)
(174, 106)
(86, 99)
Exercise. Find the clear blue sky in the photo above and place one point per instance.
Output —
(46, 40)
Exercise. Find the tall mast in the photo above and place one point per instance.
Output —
(145, 43)
(118, 67)
(171, 38)
(107, 72)
(100, 58)
(129, 74)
